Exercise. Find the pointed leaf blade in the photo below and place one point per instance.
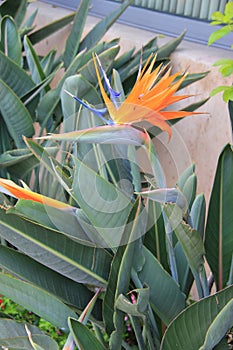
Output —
(37, 300)
(10, 42)
(73, 40)
(219, 238)
(166, 298)
(78, 262)
(181, 333)
(83, 337)
(13, 335)
(100, 29)
(15, 114)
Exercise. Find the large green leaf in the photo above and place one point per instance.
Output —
(37, 300)
(183, 178)
(44, 155)
(114, 288)
(166, 298)
(84, 337)
(75, 261)
(5, 139)
(106, 57)
(120, 275)
(73, 40)
(35, 68)
(68, 223)
(198, 213)
(14, 76)
(189, 189)
(13, 335)
(15, 114)
(155, 237)
(15, 9)
(219, 228)
(230, 108)
(70, 292)
(106, 207)
(50, 100)
(100, 28)
(10, 42)
(50, 28)
(192, 78)
(197, 216)
(168, 48)
(76, 85)
(189, 239)
(202, 324)
(13, 157)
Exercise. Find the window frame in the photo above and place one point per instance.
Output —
(197, 31)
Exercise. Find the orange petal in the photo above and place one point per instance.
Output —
(160, 123)
(22, 193)
(169, 115)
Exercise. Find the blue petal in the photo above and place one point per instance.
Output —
(98, 112)
(113, 93)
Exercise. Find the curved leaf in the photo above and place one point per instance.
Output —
(14, 76)
(73, 40)
(155, 237)
(70, 292)
(218, 328)
(189, 189)
(166, 298)
(219, 227)
(189, 238)
(13, 335)
(13, 157)
(189, 329)
(10, 42)
(15, 114)
(100, 28)
(104, 204)
(197, 214)
(75, 261)
(83, 337)
(36, 70)
(37, 300)
(168, 48)
(76, 85)
(230, 108)
(119, 277)
(189, 171)
(50, 28)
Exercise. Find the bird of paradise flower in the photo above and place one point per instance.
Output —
(151, 94)
(10, 188)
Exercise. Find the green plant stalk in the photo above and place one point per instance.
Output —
(198, 285)
(98, 333)
(230, 280)
(139, 285)
(125, 345)
(170, 249)
(153, 341)
(204, 283)
(138, 333)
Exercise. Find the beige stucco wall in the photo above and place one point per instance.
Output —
(196, 139)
